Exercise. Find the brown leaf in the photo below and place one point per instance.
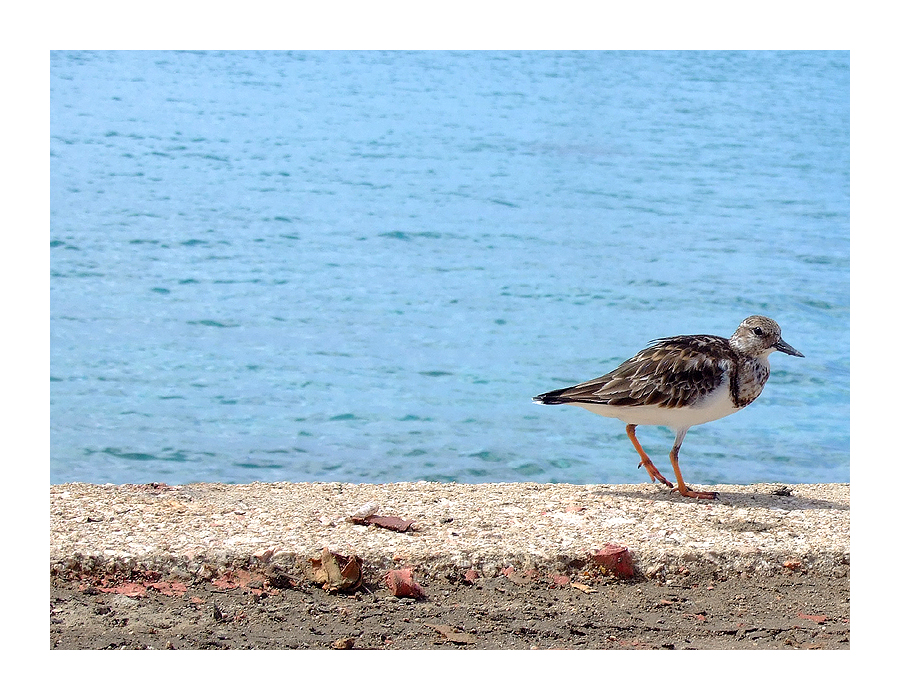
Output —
(400, 582)
(336, 572)
(388, 522)
(582, 587)
(614, 560)
(453, 636)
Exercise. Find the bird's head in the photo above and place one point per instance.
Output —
(759, 336)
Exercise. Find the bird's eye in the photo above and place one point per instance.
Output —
(757, 331)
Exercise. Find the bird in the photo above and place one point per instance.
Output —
(679, 382)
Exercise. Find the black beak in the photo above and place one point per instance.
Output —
(785, 348)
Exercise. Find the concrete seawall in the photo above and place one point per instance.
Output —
(201, 530)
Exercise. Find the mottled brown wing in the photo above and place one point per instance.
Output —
(671, 372)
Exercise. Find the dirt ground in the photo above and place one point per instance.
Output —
(790, 610)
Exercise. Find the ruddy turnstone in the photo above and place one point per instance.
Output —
(680, 382)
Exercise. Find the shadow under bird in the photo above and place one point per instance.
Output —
(680, 382)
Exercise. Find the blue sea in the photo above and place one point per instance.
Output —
(361, 266)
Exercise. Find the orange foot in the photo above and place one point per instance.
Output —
(654, 473)
(690, 493)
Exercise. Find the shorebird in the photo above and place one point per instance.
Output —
(680, 382)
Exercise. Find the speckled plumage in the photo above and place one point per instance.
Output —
(680, 382)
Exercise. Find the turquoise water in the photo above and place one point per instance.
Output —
(362, 266)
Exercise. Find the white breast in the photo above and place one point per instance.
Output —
(717, 404)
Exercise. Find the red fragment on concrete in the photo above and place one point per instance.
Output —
(400, 582)
(614, 560)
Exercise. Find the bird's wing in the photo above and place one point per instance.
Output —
(670, 372)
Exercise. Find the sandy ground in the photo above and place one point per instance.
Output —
(790, 611)
(499, 566)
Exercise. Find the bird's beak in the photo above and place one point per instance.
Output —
(785, 348)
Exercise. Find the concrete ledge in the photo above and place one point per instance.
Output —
(201, 530)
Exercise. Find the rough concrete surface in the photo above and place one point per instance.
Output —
(499, 565)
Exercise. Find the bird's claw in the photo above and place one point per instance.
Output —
(654, 474)
(703, 495)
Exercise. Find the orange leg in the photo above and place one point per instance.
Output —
(683, 488)
(645, 460)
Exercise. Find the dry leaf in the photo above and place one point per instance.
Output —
(336, 572)
(386, 521)
(581, 587)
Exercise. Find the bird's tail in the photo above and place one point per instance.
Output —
(552, 398)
